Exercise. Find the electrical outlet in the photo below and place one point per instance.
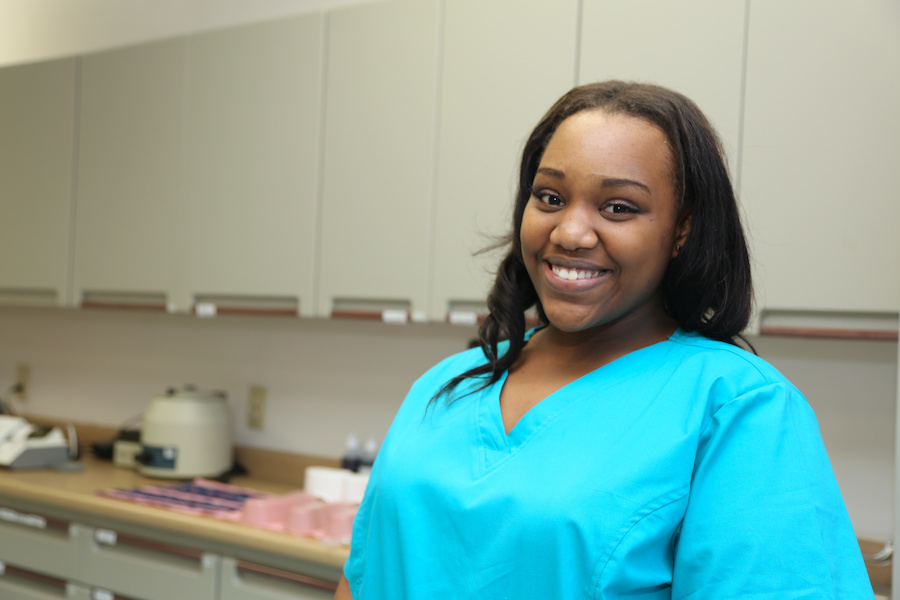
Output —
(256, 407)
(23, 381)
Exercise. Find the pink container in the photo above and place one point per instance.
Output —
(306, 519)
(272, 512)
(331, 523)
(339, 524)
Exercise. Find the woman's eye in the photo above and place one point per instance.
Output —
(549, 198)
(619, 209)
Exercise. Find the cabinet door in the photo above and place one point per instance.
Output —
(253, 141)
(146, 569)
(37, 121)
(504, 64)
(129, 235)
(379, 154)
(821, 153)
(695, 48)
(41, 544)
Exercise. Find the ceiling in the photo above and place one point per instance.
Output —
(36, 30)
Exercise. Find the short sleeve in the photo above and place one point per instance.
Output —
(765, 518)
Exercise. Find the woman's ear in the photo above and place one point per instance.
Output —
(681, 234)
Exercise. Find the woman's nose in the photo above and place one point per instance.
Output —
(574, 231)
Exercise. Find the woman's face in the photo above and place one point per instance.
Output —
(602, 223)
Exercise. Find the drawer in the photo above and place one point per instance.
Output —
(145, 569)
(17, 583)
(39, 543)
(249, 581)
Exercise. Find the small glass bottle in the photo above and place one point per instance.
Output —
(351, 458)
(367, 457)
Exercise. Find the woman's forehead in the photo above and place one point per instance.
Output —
(598, 141)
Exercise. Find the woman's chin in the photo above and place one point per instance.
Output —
(571, 321)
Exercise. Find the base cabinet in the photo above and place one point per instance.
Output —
(43, 558)
(148, 570)
(32, 542)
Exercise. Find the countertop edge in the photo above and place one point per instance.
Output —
(200, 527)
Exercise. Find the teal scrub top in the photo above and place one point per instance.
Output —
(686, 469)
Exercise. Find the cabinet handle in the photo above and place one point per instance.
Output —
(112, 538)
(9, 570)
(101, 594)
(394, 312)
(33, 520)
(288, 576)
(836, 334)
(211, 305)
(824, 324)
(389, 316)
(124, 301)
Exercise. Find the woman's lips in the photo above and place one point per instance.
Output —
(574, 276)
(572, 273)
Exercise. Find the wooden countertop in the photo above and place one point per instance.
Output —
(76, 492)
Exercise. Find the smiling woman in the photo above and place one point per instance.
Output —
(627, 446)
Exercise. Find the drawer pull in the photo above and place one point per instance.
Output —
(288, 576)
(108, 537)
(12, 516)
(11, 571)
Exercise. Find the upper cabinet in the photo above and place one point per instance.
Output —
(499, 76)
(37, 124)
(696, 48)
(378, 171)
(354, 161)
(129, 234)
(198, 169)
(252, 164)
(820, 174)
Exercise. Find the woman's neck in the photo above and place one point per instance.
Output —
(594, 347)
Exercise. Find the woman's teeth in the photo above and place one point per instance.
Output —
(573, 274)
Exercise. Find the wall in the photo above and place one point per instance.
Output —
(326, 379)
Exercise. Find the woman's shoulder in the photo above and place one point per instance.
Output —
(734, 383)
(717, 362)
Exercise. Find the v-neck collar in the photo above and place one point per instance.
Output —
(496, 446)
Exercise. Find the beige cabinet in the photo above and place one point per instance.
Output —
(198, 169)
(380, 121)
(499, 75)
(37, 125)
(356, 159)
(129, 237)
(145, 569)
(35, 543)
(70, 558)
(252, 165)
(821, 149)
(696, 48)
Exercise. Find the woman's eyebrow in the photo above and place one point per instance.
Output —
(619, 182)
(555, 173)
(607, 182)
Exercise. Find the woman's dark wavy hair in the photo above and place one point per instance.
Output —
(707, 287)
